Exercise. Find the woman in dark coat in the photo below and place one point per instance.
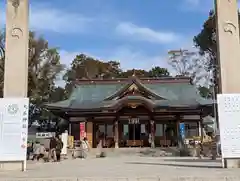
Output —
(29, 150)
(59, 146)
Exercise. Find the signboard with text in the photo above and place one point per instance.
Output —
(229, 124)
(182, 130)
(82, 130)
(45, 134)
(13, 128)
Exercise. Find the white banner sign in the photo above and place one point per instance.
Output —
(13, 128)
(64, 138)
(229, 124)
(45, 135)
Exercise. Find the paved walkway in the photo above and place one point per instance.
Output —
(131, 167)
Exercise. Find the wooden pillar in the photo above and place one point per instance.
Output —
(116, 135)
(70, 129)
(90, 132)
(152, 124)
(179, 137)
(177, 128)
(202, 126)
(199, 125)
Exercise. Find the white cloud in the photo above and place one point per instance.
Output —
(45, 18)
(128, 58)
(57, 20)
(146, 34)
(67, 57)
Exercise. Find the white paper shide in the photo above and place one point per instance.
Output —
(13, 128)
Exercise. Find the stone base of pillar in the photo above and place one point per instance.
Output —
(116, 145)
(11, 166)
(232, 163)
(152, 144)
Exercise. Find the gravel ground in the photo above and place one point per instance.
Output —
(125, 167)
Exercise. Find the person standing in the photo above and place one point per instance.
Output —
(84, 148)
(36, 150)
(59, 146)
(213, 147)
(29, 150)
(52, 149)
(100, 146)
(41, 151)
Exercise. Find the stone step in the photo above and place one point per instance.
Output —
(156, 152)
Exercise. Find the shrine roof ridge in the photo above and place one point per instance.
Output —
(148, 80)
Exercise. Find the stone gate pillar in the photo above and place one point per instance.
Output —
(16, 58)
(228, 45)
(228, 50)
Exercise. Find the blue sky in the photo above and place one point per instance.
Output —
(136, 33)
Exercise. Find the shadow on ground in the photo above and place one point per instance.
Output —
(159, 152)
(175, 165)
(193, 160)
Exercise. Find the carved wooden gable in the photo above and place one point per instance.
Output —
(134, 90)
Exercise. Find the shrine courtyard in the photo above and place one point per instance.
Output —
(131, 167)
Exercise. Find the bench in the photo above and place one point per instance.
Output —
(165, 143)
(134, 143)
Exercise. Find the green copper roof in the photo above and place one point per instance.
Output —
(94, 92)
(174, 91)
(168, 91)
(99, 105)
(93, 96)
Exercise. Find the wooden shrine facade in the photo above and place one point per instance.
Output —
(131, 112)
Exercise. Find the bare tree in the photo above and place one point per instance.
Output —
(189, 64)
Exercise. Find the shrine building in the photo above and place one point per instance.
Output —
(128, 110)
